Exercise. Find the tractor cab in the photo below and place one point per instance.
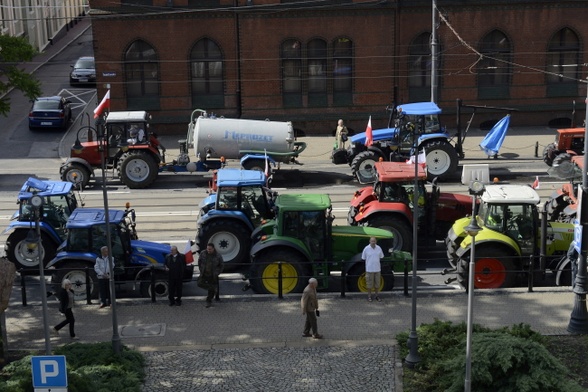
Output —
(395, 183)
(127, 127)
(413, 120)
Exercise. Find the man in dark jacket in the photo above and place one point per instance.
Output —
(175, 264)
(210, 264)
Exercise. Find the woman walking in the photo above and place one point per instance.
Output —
(66, 303)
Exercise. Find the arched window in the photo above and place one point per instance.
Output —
(562, 64)
(206, 62)
(494, 69)
(419, 68)
(317, 73)
(142, 76)
(342, 71)
(291, 57)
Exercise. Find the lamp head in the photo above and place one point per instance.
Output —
(477, 188)
(473, 228)
(77, 147)
(31, 240)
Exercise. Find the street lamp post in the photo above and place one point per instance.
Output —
(476, 189)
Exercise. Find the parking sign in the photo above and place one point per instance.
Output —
(49, 373)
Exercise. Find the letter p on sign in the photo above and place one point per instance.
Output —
(49, 369)
(49, 372)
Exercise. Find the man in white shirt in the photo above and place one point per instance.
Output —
(371, 255)
(102, 268)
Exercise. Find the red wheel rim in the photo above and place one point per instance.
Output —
(490, 273)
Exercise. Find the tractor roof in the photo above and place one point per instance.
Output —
(420, 108)
(87, 217)
(237, 177)
(43, 188)
(398, 171)
(303, 202)
(510, 194)
(127, 117)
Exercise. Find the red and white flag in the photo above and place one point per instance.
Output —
(104, 104)
(266, 171)
(536, 183)
(188, 253)
(369, 137)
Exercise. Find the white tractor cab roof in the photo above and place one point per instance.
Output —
(510, 194)
(128, 117)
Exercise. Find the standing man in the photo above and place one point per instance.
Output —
(309, 305)
(102, 268)
(210, 264)
(371, 255)
(175, 264)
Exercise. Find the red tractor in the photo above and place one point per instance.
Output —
(568, 142)
(388, 204)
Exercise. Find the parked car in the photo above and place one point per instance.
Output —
(50, 112)
(83, 71)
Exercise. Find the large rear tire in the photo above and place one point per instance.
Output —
(549, 153)
(356, 279)
(442, 160)
(137, 169)
(161, 287)
(264, 272)
(76, 272)
(25, 257)
(402, 232)
(231, 240)
(77, 174)
(362, 166)
(494, 269)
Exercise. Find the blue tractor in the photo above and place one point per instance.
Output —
(134, 259)
(60, 202)
(238, 203)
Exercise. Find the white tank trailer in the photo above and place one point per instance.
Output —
(215, 137)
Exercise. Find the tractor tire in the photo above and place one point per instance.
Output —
(494, 269)
(362, 166)
(75, 271)
(549, 153)
(264, 272)
(19, 253)
(563, 167)
(137, 169)
(356, 279)
(76, 173)
(442, 160)
(231, 240)
(161, 287)
(402, 232)
(255, 164)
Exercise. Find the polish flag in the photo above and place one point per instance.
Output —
(536, 183)
(188, 253)
(266, 171)
(369, 137)
(104, 104)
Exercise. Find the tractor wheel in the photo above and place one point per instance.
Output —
(494, 269)
(76, 173)
(362, 166)
(442, 160)
(76, 273)
(161, 287)
(402, 232)
(264, 272)
(356, 279)
(27, 258)
(137, 169)
(231, 240)
(254, 164)
(549, 153)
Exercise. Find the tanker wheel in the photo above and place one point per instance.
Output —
(231, 240)
(76, 273)
(356, 279)
(77, 174)
(137, 169)
(494, 269)
(25, 257)
(264, 272)
(402, 232)
(549, 153)
(442, 160)
(161, 287)
(255, 164)
(362, 166)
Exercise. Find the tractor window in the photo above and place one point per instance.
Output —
(395, 192)
(313, 231)
(56, 210)
(253, 203)
(494, 217)
(227, 198)
(520, 222)
(78, 240)
(117, 134)
(99, 240)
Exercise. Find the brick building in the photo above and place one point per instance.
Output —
(312, 62)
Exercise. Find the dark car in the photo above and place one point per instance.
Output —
(83, 71)
(50, 112)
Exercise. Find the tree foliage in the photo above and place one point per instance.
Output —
(14, 51)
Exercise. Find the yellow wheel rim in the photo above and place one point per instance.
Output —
(362, 286)
(270, 278)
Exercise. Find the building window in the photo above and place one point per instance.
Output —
(142, 76)
(419, 68)
(291, 56)
(494, 69)
(317, 73)
(342, 71)
(562, 64)
(206, 62)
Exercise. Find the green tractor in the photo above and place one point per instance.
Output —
(509, 240)
(304, 243)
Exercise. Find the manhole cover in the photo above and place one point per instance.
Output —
(142, 331)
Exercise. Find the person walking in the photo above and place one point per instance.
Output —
(66, 303)
(210, 264)
(102, 268)
(309, 305)
(175, 264)
(341, 135)
(371, 255)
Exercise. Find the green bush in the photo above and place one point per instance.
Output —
(90, 368)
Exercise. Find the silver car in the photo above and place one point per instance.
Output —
(83, 72)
